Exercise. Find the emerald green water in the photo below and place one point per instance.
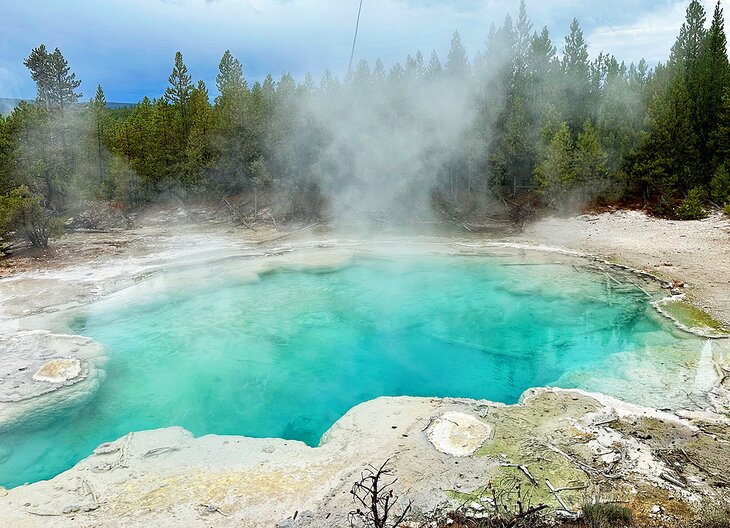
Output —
(288, 355)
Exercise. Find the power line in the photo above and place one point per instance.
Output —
(354, 40)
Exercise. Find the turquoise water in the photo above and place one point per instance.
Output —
(287, 355)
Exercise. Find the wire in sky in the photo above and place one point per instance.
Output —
(354, 40)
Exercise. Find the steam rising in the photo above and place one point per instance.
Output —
(383, 142)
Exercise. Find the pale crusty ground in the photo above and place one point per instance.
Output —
(167, 478)
(694, 252)
(601, 446)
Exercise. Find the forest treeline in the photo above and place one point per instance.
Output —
(518, 122)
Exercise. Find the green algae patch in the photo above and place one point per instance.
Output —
(692, 318)
(530, 443)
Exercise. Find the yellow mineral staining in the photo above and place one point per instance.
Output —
(58, 370)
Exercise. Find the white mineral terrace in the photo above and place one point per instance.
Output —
(443, 450)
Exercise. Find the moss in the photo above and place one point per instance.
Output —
(514, 442)
(692, 317)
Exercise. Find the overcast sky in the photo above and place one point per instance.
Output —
(128, 45)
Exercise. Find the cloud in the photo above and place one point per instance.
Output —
(456, 5)
(128, 45)
(649, 36)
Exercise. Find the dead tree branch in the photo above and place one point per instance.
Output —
(375, 499)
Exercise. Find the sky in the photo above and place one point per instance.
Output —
(128, 46)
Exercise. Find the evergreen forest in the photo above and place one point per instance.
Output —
(518, 127)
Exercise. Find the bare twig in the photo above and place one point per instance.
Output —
(672, 480)
(556, 493)
(524, 470)
(187, 211)
(237, 214)
(694, 463)
(376, 499)
(41, 514)
(584, 467)
(572, 488)
(527, 513)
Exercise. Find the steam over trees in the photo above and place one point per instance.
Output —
(541, 124)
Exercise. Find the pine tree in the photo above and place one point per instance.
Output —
(101, 119)
(721, 134)
(396, 74)
(361, 78)
(514, 150)
(329, 84)
(687, 51)
(716, 79)
(576, 71)
(542, 71)
(555, 175)
(199, 148)
(64, 85)
(499, 60)
(720, 186)
(620, 114)
(55, 83)
(666, 164)
(38, 64)
(379, 74)
(181, 86)
(173, 118)
(415, 67)
(434, 68)
(523, 41)
(230, 80)
(457, 63)
(308, 87)
(269, 90)
(231, 123)
(589, 162)
(49, 154)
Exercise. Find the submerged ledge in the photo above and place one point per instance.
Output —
(41, 372)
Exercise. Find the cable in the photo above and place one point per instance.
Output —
(354, 40)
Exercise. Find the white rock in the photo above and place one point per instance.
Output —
(58, 370)
(458, 434)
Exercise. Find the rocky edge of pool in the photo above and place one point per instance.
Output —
(663, 457)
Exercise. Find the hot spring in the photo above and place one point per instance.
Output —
(284, 347)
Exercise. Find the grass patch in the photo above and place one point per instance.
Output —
(607, 515)
(713, 516)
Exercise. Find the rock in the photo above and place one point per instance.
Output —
(41, 371)
(58, 370)
(458, 434)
